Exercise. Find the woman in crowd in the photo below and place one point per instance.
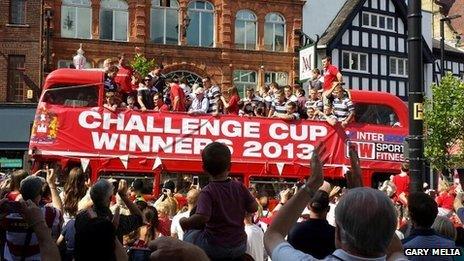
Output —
(232, 105)
(147, 232)
(74, 190)
(16, 179)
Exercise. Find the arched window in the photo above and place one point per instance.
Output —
(76, 19)
(245, 30)
(274, 32)
(164, 27)
(201, 27)
(114, 20)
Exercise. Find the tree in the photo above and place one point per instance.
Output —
(142, 65)
(444, 123)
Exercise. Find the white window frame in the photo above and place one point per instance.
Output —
(165, 9)
(239, 82)
(377, 27)
(275, 74)
(351, 54)
(255, 21)
(66, 63)
(83, 4)
(200, 11)
(121, 6)
(274, 23)
(397, 65)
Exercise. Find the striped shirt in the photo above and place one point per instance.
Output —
(314, 103)
(213, 95)
(279, 107)
(254, 100)
(342, 108)
(17, 231)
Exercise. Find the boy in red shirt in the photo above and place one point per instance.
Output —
(177, 96)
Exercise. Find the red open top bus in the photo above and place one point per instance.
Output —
(72, 128)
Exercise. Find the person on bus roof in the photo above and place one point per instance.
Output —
(177, 96)
(279, 105)
(327, 115)
(110, 102)
(200, 104)
(110, 74)
(124, 75)
(343, 107)
(160, 106)
(131, 103)
(291, 113)
(144, 96)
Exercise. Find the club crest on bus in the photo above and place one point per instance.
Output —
(45, 126)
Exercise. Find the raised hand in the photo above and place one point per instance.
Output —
(316, 179)
(354, 178)
(122, 188)
(51, 178)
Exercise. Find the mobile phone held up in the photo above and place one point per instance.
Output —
(196, 180)
(139, 254)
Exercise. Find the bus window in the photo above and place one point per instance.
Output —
(129, 177)
(184, 181)
(376, 114)
(72, 96)
(271, 187)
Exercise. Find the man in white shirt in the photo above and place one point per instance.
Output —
(200, 103)
(176, 230)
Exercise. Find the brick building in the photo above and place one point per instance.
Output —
(20, 32)
(20, 77)
(241, 42)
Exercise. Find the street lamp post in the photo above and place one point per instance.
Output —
(442, 41)
(415, 96)
(48, 33)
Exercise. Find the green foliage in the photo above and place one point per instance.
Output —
(444, 123)
(142, 65)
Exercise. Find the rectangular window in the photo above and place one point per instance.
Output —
(354, 61)
(366, 19)
(378, 21)
(244, 80)
(398, 67)
(76, 22)
(281, 78)
(15, 83)
(390, 23)
(18, 12)
(382, 22)
(113, 25)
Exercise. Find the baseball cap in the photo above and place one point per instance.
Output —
(31, 187)
(320, 201)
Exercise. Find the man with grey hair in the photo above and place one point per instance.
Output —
(361, 232)
(101, 193)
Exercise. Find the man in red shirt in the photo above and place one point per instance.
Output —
(124, 76)
(177, 96)
(160, 106)
(401, 182)
(331, 73)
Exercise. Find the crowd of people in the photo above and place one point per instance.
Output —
(327, 100)
(45, 217)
